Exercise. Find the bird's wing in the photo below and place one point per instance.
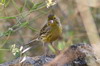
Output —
(44, 31)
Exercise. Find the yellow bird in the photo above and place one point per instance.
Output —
(51, 31)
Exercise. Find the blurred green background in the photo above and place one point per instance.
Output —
(21, 20)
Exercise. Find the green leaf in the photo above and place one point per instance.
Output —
(7, 17)
(7, 2)
(1, 33)
(2, 55)
(21, 9)
(35, 6)
(3, 1)
(24, 24)
(70, 33)
(51, 48)
(61, 45)
(32, 28)
(3, 52)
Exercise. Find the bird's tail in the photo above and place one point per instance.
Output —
(29, 45)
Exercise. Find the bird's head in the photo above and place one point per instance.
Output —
(52, 19)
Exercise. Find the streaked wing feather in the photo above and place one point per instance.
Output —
(44, 31)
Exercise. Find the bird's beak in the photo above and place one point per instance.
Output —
(51, 21)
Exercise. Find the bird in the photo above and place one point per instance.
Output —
(51, 31)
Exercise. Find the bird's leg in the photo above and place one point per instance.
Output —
(45, 47)
(57, 51)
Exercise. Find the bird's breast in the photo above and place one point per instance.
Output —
(54, 34)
